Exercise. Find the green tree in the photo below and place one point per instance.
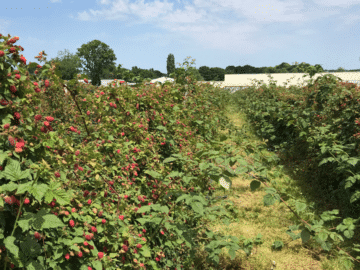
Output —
(98, 57)
(170, 64)
(230, 70)
(68, 64)
(205, 73)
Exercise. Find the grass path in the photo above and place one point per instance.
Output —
(251, 218)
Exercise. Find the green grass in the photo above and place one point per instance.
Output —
(249, 216)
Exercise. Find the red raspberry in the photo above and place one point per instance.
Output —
(80, 254)
(49, 118)
(85, 243)
(103, 221)
(100, 255)
(27, 201)
(139, 246)
(37, 235)
(88, 237)
(71, 223)
(121, 217)
(9, 200)
(67, 256)
(93, 229)
(125, 248)
(89, 268)
(57, 174)
(89, 201)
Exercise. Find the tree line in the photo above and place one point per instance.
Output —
(97, 60)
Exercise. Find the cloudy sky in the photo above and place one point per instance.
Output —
(213, 32)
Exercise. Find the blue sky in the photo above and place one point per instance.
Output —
(214, 33)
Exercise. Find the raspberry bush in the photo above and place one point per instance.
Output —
(106, 178)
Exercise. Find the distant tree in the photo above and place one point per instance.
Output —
(196, 74)
(170, 64)
(283, 67)
(98, 56)
(68, 64)
(205, 73)
(217, 74)
(230, 70)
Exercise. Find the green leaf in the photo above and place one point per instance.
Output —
(38, 191)
(240, 170)
(300, 207)
(254, 185)
(22, 188)
(270, 199)
(30, 247)
(326, 246)
(355, 196)
(11, 247)
(39, 221)
(323, 236)
(203, 166)
(145, 251)
(154, 174)
(169, 159)
(3, 156)
(8, 187)
(34, 265)
(62, 197)
(97, 265)
(144, 209)
(326, 160)
(305, 235)
(352, 160)
(198, 208)
(13, 171)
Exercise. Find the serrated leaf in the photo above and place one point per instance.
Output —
(13, 171)
(8, 187)
(145, 251)
(300, 207)
(323, 236)
(270, 199)
(62, 196)
(30, 247)
(154, 174)
(22, 188)
(198, 207)
(38, 191)
(34, 265)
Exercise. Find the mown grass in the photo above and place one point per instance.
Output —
(249, 216)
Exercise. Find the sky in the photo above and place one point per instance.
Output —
(213, 32)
